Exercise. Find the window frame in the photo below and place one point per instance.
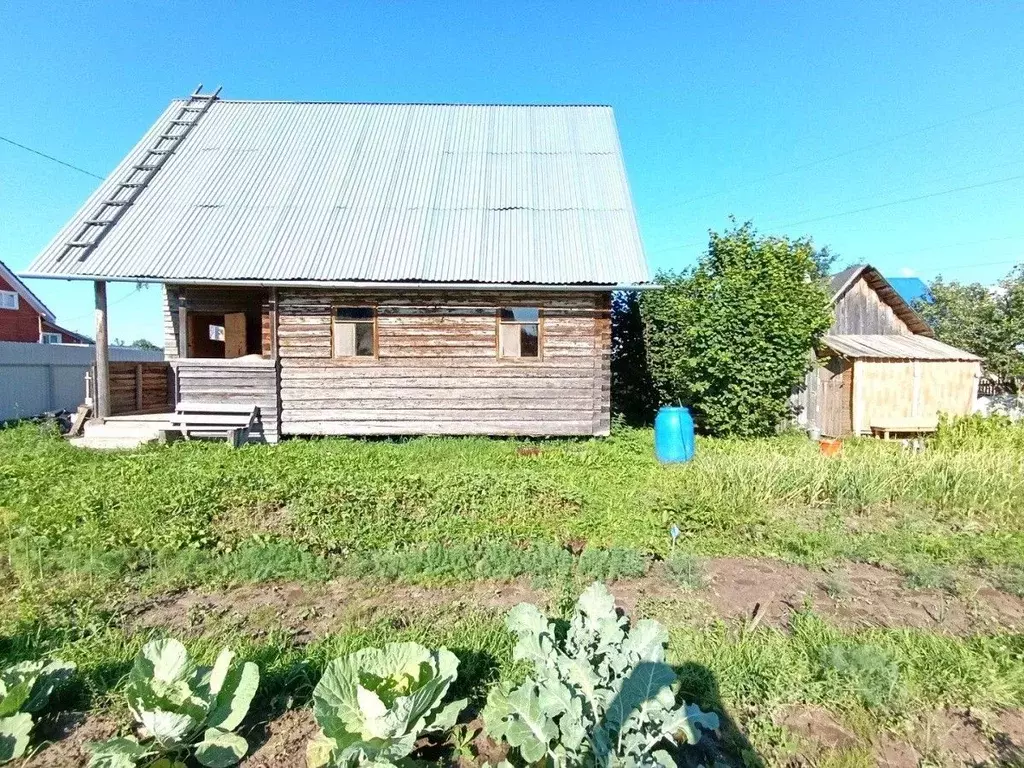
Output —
(540, 332)
(334, 321)
(17, 300)
(44, 334)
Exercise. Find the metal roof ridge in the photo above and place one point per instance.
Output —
(585, 105)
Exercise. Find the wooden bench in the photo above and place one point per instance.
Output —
(921, 425)
(231, 421)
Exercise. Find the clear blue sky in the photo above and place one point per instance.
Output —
(724, 108)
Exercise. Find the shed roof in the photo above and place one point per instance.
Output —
(894, 347)
(841, 282)
(300, 191)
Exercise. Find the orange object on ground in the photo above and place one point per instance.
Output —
(830, 447)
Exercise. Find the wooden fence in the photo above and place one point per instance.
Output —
(137, 388)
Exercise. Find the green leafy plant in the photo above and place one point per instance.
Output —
(180, 707)
(611, 564)
(373, 705)
(732, 337)
(602, 695)
(25, 689)
(869, 672)
(686, 570)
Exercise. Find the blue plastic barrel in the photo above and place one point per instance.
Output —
(673, 434)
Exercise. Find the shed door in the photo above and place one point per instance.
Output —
(836, 404)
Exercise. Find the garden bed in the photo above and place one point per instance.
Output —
(831, 610)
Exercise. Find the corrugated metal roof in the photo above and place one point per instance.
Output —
(871, 346)
(375, 192)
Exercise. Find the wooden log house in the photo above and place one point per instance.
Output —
(373, 269)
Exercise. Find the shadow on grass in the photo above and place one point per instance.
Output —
(699, 685)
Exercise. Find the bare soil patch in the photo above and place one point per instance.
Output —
(310, 611)
(952, 737)
(855, 596)
(63, 737)
(281, 743)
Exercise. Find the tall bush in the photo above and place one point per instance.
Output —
(633, 396)
(732, 337)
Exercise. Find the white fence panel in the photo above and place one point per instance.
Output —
(36, 378)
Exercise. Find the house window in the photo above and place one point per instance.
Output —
(519, 332)
(354, 332)
(8, 300)
(49, 338)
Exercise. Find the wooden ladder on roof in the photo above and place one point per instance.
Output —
(96, 227)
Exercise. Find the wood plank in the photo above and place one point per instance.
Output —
(427, 414)
(581, 403)
(382, 369)
(510, 428)
(398, 392)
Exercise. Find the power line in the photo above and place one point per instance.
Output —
(111, 304)
(901, 202)
(668, 248)
(924, 184)
(838, 155)
(51, 157)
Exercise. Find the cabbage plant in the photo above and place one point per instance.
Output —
(180, 706)
(25, 689)
(373, 705)
(602, 695)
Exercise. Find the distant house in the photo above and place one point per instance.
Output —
(883, 371)
(23, 317)
(910, 289)
(363, 269)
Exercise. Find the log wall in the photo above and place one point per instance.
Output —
(437, 370)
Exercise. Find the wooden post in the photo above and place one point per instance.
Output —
(138, 387)
(102, 404)
(273, 322)
(182, 326)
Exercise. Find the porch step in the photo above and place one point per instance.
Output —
(122, 429)
(108, 443)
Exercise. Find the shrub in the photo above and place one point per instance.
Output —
(732, 338)
(978, 432)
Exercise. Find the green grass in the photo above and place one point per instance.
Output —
(686, 570)
(932, 576)
(776, 498)
(84, 533)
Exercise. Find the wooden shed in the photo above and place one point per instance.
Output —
(882, 371)
(373, 269)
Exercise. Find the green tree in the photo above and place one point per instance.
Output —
(988, 322)
(731, 338)
(144, 344)
(633, 396)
